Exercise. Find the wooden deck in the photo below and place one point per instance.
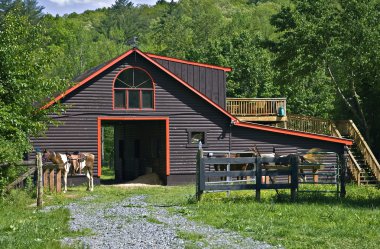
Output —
(258, 109)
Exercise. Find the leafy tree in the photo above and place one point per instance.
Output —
(340, 39)
(252, 74)
(24, 61)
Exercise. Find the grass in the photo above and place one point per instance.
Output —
(313, 221)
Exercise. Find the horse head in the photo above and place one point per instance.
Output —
(48, 155)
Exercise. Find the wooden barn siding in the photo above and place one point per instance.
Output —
(184, 108)
(244, 138)
(211, 82)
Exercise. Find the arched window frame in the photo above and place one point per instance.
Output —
(153, 89)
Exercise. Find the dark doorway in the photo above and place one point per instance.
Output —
(139, 148)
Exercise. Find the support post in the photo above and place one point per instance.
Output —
(45, 175)
(58, 181)
(294, 162)
(259, 173)
(39, 179)
(342, 162)
(51, 180)
(199, 190)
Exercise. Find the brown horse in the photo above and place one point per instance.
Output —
(236, 167)
(84, 161)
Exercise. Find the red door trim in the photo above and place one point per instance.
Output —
(105, 118)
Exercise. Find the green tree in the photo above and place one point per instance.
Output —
(336, 44)
(24, 62)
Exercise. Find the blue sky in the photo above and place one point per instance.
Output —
(68, 6)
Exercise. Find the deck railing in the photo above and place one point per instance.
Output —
(310, 124)
(256, 106)
(350, 129)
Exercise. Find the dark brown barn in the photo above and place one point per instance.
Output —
(161, 108)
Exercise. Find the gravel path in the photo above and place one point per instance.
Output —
(133, 223)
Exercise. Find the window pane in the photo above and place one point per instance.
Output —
(125, 79)
(133, 99)
(120, 99)
(197, 136)
(142, 80)
(147, 99)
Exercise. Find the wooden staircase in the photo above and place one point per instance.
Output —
(366, 176)
(361, 163)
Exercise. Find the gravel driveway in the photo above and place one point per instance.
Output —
(133, 223)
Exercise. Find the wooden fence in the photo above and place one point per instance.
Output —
(206, 179)
(48, 176)
(267, 175)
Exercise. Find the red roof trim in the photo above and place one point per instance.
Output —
(295, 133)
(225, 69)
(84, 81)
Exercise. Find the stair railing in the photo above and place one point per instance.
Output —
(350, 128)
(352, 164)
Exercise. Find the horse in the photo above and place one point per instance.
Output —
(65, 161)
(236, 167)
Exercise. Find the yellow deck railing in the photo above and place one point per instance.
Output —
(256, 106)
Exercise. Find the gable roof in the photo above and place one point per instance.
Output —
(100, 69)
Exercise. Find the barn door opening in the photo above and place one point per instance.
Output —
(140, 148)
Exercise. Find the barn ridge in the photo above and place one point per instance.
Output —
(94, 72)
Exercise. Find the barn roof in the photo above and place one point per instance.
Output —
(92, 73)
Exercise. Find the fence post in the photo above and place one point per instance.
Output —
(39, 179)
(342, 162)
(294, 162)
(199, 191)
(259, 174)
(58, 181)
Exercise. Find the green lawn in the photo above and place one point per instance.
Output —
(312, 222)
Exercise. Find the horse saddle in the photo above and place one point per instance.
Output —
(75, 159)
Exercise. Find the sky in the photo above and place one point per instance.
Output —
(62, 7)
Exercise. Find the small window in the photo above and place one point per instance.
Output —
(196, 136)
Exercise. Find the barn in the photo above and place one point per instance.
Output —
(160, 108)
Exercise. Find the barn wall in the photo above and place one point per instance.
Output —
(185, 110)
(211, 82)
(78, 129)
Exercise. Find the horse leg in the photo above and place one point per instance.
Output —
(88, 179)
(65, 180)
(92, 181)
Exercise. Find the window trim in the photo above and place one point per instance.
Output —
(140, 90)
(191, 145)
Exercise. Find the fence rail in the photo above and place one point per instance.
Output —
(256, 106)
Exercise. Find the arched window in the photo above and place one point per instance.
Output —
(133, 89)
